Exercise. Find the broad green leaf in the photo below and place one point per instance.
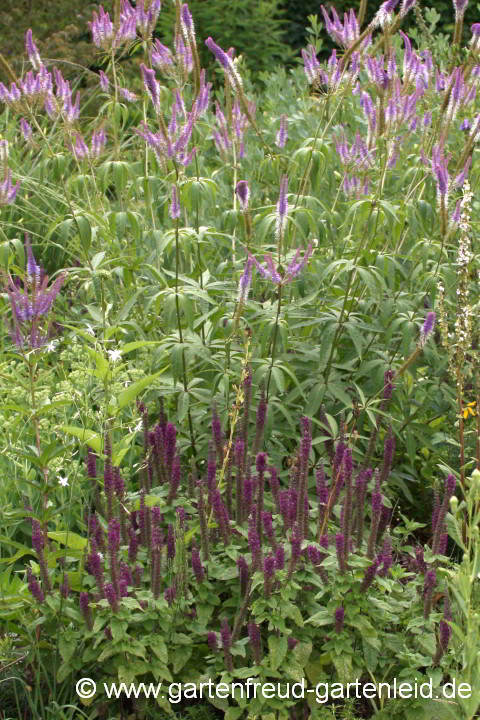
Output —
(278, 647)
(69, 539)
(130, 393)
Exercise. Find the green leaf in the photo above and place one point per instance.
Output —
(84, 230)
(343, 666)
(66, 647)
(158, 646)
(119, 629)
(69, 539)
(278, 647)
(126, 396)
(86, 436)
(322, 617)
(180, 656)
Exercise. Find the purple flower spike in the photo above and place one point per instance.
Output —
(26, 130)
(282, 209)
(255, 642)
(197, 566)
(227, 63)
(245, 282)
(212, 641)
(34, 587)
(280, 557)
(175, 206)
(282, 134)
(103, 81)
(339, 619)
(243, 194)
(32, 51)
(340, 548)
(427, 328)
(151, 86)
(111, 596)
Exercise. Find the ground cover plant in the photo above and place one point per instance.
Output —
(239, 373)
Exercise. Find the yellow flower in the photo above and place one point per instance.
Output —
(469, 409)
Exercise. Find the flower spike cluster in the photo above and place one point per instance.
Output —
(30, 307)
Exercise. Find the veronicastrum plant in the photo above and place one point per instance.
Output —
(160, 203)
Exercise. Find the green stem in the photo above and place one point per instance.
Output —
(274, 341)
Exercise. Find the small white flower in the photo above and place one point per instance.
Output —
(138, 427)
(114, 355)
(51, 346)
(89, 330)
(63, 481)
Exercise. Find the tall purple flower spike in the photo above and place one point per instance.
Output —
(427, 328)
(226, 62)
(245, 282)
(175, 206)
(32, 52)
(243, 194)
(282, 209)
(282, 134)
(151, 86)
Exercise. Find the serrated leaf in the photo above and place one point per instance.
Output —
(278, 647)
(343, 666)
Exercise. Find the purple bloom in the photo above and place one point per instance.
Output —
(427, 328)
(103, 81)
(162, 57)
(99, 140)
(294, 268)
(340, 548)
(226, 643)
(111, 595)
(339, 619)
(170, 542)
(8, 192)
(370, 573)
(245, 282)
(255, 642)
(227, 63)
(151, 86)
(242, 573)
(212, 641)
(282, 209)
(269, 566)
(463, 175)
(175, 206)
(86, 612)
(282, 133)
(26, 130)
(280, 557)
(197, 566)
(254, 545)
(243, 194)
(170, 594)
(32, 51)
(187, 23)
(296, 543)
(34, 587)
(292, 642)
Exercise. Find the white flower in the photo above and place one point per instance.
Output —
(138, 427)
(63, 481)
(114, 355)
(51, 346)
(89, 330)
